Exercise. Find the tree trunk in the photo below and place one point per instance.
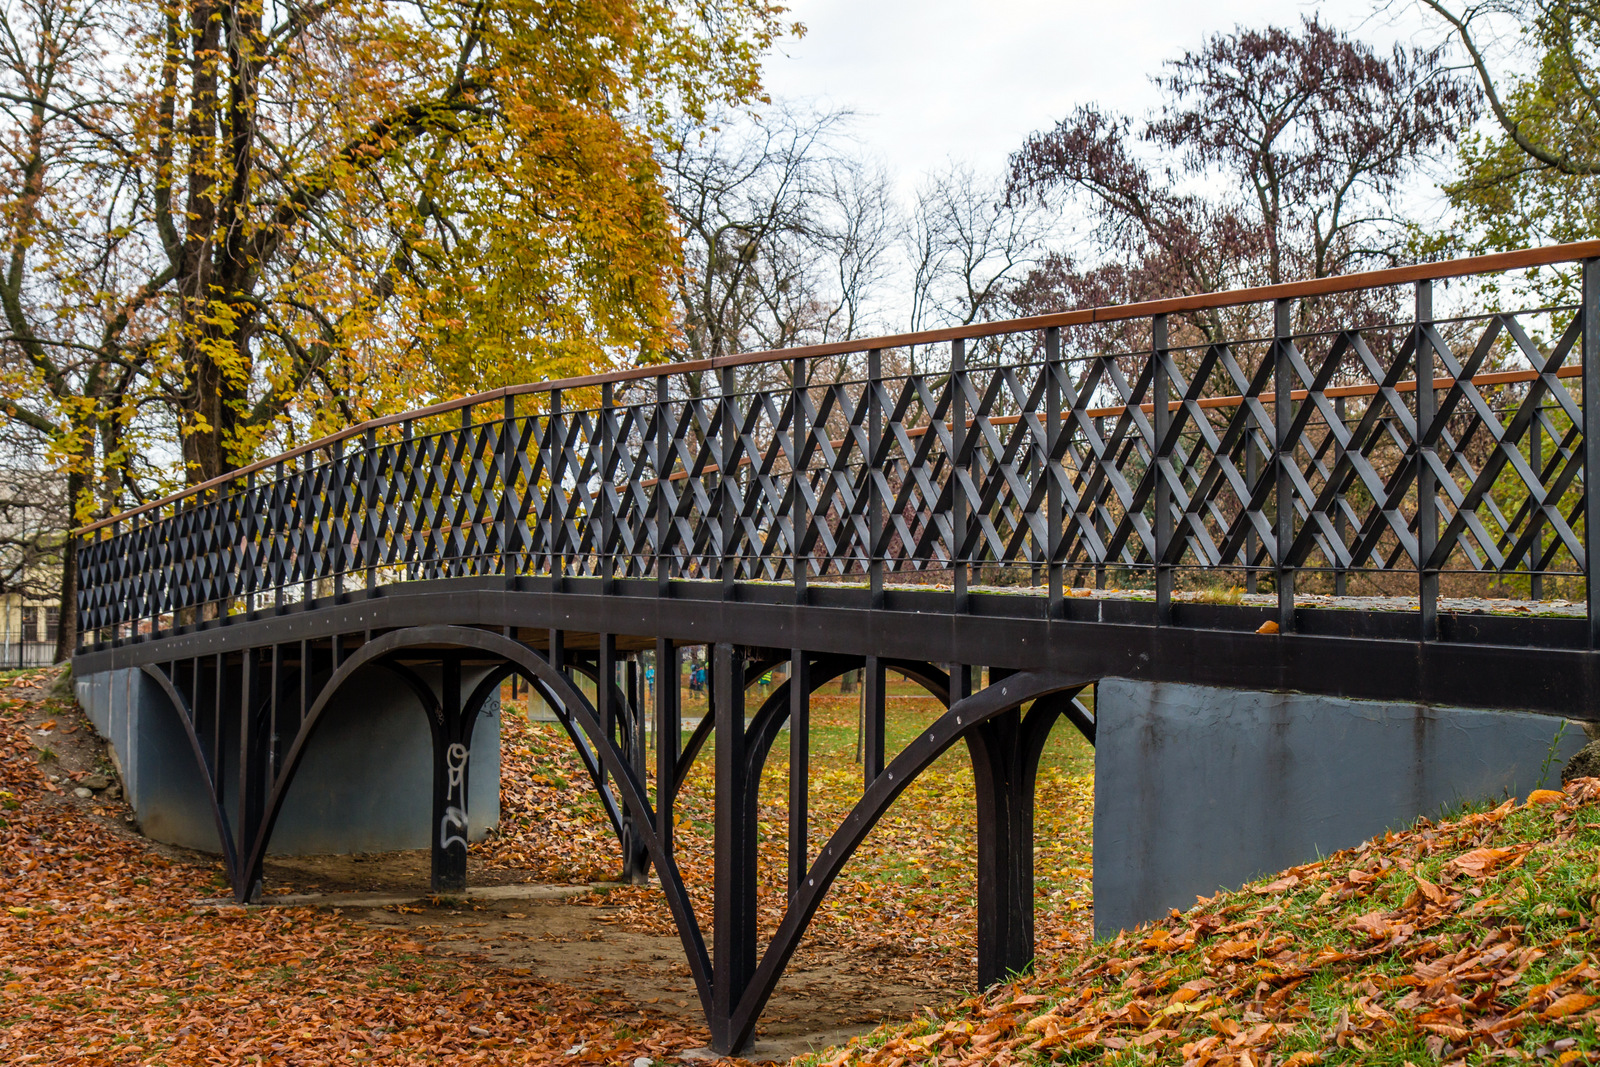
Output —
(67, 628)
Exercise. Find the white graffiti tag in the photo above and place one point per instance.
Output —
(453, 827)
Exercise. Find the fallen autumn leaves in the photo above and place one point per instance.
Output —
(1471, 940)
(105, 959)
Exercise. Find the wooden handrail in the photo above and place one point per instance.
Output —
(1343, 283)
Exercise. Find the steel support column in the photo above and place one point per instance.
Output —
(734, 915)
(669, 729)
(635, 850)
(451, 753)
(252, 769)
(872, 719)
(1005, 762)
(799, 767)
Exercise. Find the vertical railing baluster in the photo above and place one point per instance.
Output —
(1050, 470)
(1536, 514)
(370, 546)
(1591, 441)
(603, 488)
(338, 534)
(1341, 524)
(875, 468)
(557, 465)
(1283, 455)
(248, 550)
(462, 524)
(1252, 474)
(729, 513)
(801, 516)
(1160, 452)
(1101, 526)
(664, 465)
(1427, 482)
(304, 558)
(958, 491)
(280, 537)
(508, 411)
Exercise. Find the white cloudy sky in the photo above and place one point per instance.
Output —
(938, 79)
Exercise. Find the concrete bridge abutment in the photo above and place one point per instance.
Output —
(1200, 787)
(362, 786)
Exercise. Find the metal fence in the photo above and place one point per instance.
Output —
(1375, 429)
(16, 655)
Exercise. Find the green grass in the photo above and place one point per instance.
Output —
(1403, 951)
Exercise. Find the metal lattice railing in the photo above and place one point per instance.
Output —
(1274, 436)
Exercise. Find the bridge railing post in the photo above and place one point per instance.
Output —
(371, 548)
(727, 480)
(1050, 470)
(1102, 524)
(1427, 481)
(280, 520)
(664, 465)
(1282, 456)
(1536, 519)
(250, 540)
(338, 537)
(871, 396)
(468, 561)
(510, 567)
(555, 509)
(1252, 474)
(604, 489)
(1160, 456)
(801, 431)
(1591, 442)
(1341, 523)
(958, 459)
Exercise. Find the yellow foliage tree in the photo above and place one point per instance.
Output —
(233, 225)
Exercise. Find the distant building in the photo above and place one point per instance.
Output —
(27, 631)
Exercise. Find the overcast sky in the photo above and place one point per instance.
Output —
(938, 79)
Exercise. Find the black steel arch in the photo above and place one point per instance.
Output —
(181, 707)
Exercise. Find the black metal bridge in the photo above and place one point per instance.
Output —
(936, 505)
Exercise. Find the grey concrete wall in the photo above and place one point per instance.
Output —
(1200, 788)
(363, 785)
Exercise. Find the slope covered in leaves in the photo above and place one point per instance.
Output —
(1472, 940)
(107, 958)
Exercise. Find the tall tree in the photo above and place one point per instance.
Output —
(229, 225)
(785, 231)
(1535, 176)
(965, 242)
(1306, 137)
